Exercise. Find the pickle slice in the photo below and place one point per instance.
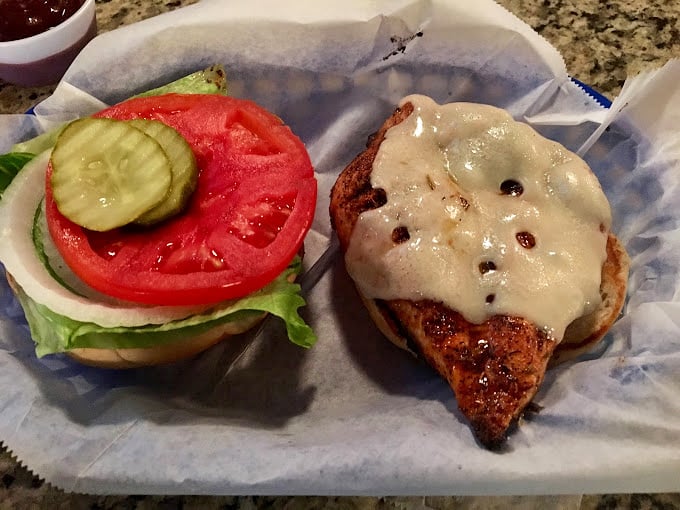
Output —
(106, 173)
(182, 165)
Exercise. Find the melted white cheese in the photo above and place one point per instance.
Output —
(442, 169)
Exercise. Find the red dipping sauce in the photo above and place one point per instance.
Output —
(25, 18)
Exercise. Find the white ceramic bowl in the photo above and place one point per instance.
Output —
(42, 59)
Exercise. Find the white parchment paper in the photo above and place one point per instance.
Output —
(354, 415)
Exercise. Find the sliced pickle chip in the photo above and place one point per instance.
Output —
(182, 165)
(106, 173)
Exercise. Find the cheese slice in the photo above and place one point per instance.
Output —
(484, 215)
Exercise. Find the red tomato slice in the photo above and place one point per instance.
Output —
(246, 221)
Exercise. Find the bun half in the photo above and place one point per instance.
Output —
(586, 332)
(161, 354)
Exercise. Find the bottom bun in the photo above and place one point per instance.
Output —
(162, 354)
(387, 329)
(587, 331)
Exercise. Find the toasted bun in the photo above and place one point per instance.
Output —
(352, 194)
(585, 332)
(387, 329)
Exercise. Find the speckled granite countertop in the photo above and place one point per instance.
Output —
(602, 43)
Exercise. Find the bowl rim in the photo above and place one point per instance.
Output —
(84, 9)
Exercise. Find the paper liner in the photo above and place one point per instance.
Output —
(354, 415)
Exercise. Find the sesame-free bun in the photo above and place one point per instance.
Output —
(584, 333)
(162, 354)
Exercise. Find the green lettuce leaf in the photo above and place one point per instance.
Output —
(212, 80)
(57, 333)
(10, 164)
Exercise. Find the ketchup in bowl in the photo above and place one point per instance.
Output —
(24, 18)
(40, 38)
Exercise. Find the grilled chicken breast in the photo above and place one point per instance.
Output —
(494, 368)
